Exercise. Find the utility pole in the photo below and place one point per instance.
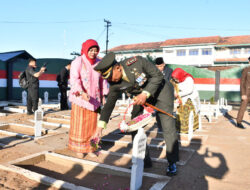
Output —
(108, 24)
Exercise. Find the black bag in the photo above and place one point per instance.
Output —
(23, 82)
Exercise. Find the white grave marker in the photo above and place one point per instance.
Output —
(59, 97)
(46, 97)
(69, 103)
(139, 148)
(24, 98)
(38, 120)
(123, 98)
(40, 103)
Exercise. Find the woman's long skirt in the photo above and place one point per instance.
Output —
(83, 124)
(182, 121)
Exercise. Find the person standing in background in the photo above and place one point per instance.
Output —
(166, 71)
(188, 98)
(33, 86)
(62, 79)
(245, 94)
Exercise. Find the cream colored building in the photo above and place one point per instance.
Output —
(200, 51)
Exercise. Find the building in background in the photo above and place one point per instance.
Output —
(7, 80)
(13, 63)
(215, 62)
(199, 51)
(148, 50)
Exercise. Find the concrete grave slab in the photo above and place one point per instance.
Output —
(66, 172)
(22, 131)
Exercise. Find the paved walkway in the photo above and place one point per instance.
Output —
(221, 162)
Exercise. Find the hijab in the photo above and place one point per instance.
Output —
(86, 47)
(180, 74)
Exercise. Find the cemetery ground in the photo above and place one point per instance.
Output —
(217, 156)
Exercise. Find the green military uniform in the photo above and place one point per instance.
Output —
(244, 90)
(141, 75)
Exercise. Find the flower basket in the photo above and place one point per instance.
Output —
(136, 123)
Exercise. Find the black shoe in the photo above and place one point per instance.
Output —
(30, 113)
(239, 125)
(171, 170)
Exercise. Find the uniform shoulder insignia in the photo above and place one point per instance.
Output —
(131, 61)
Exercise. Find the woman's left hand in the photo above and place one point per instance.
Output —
(85, 96)
(103, 100)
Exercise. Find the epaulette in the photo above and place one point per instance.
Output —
(131, 61)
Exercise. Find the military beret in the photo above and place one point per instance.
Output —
(105, 65)
(159, 61)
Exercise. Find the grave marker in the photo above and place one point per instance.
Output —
(46, 97)
(59, 97)
(139, 148)
(24, 98)
(38, 119)
(123, 98)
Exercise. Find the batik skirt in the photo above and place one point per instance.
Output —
(83, 124)
(182, 121)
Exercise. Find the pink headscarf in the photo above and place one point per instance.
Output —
(86, 46)
(180, 74)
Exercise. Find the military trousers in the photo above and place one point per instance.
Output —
(167, 124)
(243, 107)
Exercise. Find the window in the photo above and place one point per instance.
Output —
(193, 52)
(169, 51)
(207, 51)
(235, 51)
(247, 50)
(181, 52)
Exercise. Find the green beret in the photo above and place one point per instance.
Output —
(105, 65)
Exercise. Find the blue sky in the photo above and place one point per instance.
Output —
(55, 28)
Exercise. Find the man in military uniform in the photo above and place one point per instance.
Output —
(245, 94)
(33, 86)
(62, 79)
(166, 71)
(136, 76)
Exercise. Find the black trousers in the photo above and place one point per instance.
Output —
(63, 100)
(169, 132)
(32, 99)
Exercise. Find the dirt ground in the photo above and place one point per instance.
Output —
(219, 161)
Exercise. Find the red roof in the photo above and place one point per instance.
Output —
(231, 40)
(188, 41)
(234, 40)
(232, 60)
(141, 46)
